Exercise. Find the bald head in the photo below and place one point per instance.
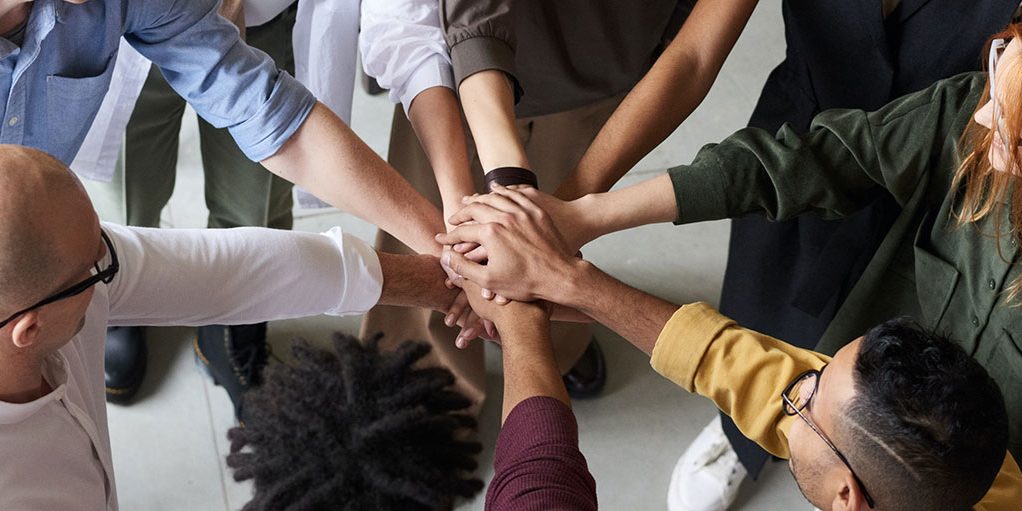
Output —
(44, 212)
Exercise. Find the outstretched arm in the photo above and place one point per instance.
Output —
(664, 98)
(327, 158)
(403, 47)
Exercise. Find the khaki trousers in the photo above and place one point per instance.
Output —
(554, 144)
(239, 191)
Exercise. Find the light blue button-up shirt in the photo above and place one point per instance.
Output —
(55, 82)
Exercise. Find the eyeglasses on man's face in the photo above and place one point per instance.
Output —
(106, 275)
(796, 398)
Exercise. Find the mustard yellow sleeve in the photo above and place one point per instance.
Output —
(743, 372)
(1006, 492)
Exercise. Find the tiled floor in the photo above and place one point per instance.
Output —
(169, 447)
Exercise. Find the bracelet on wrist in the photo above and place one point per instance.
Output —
(510, 176)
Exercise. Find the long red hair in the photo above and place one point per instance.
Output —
(983, 190)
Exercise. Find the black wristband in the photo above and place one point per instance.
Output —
(508, 176)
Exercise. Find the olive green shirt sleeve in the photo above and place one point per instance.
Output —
(846, 159)
(744, 372)
(481, 37)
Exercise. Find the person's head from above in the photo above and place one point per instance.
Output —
(50, 243)
(919, 423)
(991, 171)
(355, 428)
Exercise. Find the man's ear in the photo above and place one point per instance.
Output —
(849, 495)
(25, 332)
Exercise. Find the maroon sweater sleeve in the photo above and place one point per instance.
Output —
(537, 464)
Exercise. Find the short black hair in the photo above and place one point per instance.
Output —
(928, 424)
(355, 429)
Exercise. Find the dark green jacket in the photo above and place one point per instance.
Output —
(950, 278)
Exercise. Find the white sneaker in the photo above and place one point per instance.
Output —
(707, 476)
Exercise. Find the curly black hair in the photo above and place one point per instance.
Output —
(927, 419)
(355, 429)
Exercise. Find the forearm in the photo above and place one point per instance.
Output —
(529, 366)
(649, 202)
(633, 314)
(414, 281)
(327, 158)
(664, 98)
(488, 101)
(436, 118)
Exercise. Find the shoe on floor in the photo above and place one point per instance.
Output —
(589, 375)
(707, 475)
(234, 356)
(124, 363)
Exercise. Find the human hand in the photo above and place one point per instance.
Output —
(500, 316)
(528, 259)
(573, 219)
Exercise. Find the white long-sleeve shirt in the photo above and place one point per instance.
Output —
(56, 449)
(403, 47)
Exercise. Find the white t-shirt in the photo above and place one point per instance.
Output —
(56, 449)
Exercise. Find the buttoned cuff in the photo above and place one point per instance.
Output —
(435, 71)
(284, 111)
(483, 53)
(683, 342)
(700, 190)
(363, 276)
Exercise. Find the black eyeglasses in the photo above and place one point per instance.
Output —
(104, 276)
(796, 397)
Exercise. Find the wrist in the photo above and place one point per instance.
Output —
(569, 283)
(592, 216)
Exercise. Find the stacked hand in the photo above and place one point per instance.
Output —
(527, 258)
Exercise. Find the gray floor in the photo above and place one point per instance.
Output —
(169, 447)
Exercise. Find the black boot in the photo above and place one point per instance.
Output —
(235, 357)
(589, 375)
(125, 363)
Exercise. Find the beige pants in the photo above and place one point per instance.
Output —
(554, 144)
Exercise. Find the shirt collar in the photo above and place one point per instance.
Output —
(55, 372)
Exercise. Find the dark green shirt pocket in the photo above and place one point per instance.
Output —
(935, 281)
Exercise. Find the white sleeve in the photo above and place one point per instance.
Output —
(403, 47)
(238, 276)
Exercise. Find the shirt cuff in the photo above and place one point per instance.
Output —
(482, 53)
(363, 276)
(684, 340)
(535, 422)
(700, 191)
(433, 72)
(284, 111)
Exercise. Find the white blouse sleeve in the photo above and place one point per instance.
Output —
(403, 47)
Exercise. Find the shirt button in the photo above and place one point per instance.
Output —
(975, 321)
(992, 284)
(13, 121)
(1014, 241)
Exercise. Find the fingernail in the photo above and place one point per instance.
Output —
(487, 294)
(449, 319)
(446, 258)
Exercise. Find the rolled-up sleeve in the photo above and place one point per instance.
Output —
(230, 84)
(403, 47)
(481, 36)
